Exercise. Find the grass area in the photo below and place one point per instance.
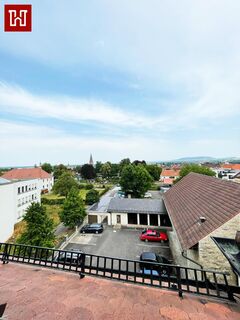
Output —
(18, 230)
(82, 193)
(51, 196)
(53, 212)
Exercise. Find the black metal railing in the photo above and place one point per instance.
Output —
(173, 277)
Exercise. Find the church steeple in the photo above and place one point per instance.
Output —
(91, 160)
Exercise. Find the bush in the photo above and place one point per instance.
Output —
(92, 196)
(52, 201)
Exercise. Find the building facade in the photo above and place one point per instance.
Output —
(15, 198)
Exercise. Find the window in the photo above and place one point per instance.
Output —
(26, 189)
(22, 189)
(19, 190)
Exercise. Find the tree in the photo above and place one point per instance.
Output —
(135, 180)
(39, 227)
(98, 166)
(106, 170)
(47, 167)
(123, 163)
(64, 184)
(78, 169)
(137, 162)
(73, 211)
(92, 196)
(88, 172)
(59, 170)
(154, 171)
(187, 168)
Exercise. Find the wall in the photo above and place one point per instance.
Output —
(31, 193)
(124, 218)
(46, 183)
(209, 254)
(7, 211)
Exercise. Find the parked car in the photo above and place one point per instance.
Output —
(153, 235)
(154, 269)
(73, 258)
(92, 228)
(148, 195)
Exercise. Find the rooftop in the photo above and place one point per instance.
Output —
(196, 196)
(170, 172)
(26, 173)
(38, 293)
(121, 205)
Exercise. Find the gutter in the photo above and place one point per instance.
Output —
(192, 260)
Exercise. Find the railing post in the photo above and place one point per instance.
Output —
(82, 265)
(179, 283)
(5, 254)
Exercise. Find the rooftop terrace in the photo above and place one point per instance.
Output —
(32, 292)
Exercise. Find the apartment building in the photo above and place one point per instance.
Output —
(15, 198)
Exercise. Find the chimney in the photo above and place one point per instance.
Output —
(202, 219)
(237, 239)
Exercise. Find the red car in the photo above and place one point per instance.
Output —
(153, 235)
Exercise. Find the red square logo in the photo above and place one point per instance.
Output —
(17, 17)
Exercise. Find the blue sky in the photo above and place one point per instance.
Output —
(151, 80)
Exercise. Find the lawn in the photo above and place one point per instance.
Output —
(53, 212)
(51, 196)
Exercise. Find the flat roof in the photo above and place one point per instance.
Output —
(126, 205)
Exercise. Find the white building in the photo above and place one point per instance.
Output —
(15, 198)
(45, 179)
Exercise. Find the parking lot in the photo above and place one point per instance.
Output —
(120, 243)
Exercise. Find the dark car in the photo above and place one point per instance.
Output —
(92, 228)
(69, 258)
(155, 258)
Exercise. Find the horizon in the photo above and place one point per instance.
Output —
(123, 80)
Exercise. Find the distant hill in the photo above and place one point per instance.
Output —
(195, 159)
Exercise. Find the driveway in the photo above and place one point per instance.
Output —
(120, 243)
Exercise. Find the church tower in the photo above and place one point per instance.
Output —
(91, 160)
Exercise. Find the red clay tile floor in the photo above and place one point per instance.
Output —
(37, 293)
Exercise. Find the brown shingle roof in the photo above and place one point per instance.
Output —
(198, 196)
(26, 173)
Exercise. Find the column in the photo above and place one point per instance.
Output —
(159, 220)
(138, 219)
(148, 219)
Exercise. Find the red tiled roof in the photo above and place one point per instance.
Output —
(196, 196)
(170, 173)
(26, 173)
(168, 181)
(233, 166)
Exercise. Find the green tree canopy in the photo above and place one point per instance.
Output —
(88, 172)
(98, 166)
(141, 162)
(73, 211)
(135, 180)
(106, 170)
(187, 168)
(92, 196)
(39, 227)
(154, 171)
(64, 184)
(59, 170)
(47, 167)
(123, 163)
